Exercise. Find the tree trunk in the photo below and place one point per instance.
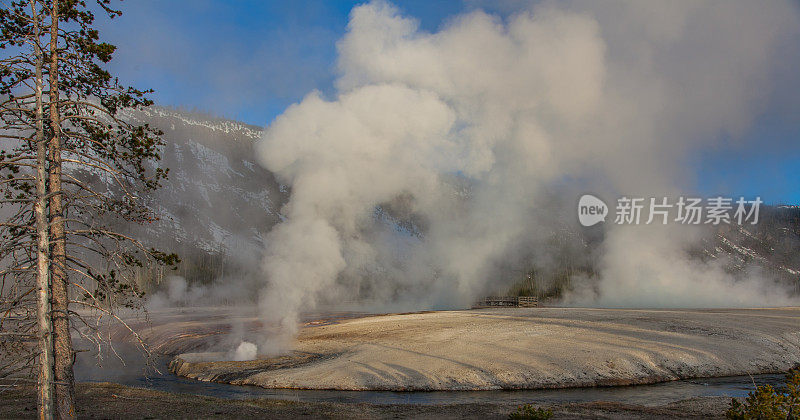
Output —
(62, 341)
(43, 314)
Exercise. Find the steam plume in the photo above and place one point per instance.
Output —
(473, 131)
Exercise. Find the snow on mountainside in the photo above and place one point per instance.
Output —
(772, 245)
(217, 199)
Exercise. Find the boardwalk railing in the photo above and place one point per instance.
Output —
(508, 301)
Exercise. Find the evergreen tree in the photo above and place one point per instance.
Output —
(99, 166)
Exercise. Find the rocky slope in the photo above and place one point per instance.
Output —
(218, 205)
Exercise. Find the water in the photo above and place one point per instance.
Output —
(135, 373)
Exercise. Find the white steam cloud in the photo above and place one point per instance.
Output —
(469, 131)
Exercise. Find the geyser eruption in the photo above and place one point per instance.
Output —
(443, 156)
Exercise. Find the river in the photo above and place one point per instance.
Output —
(137, 372)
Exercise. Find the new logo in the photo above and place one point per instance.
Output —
(591, 210)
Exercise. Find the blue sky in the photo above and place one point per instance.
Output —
(244, 59)
(248, 60)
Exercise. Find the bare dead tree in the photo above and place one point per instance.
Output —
(44, 306)
(26, 163)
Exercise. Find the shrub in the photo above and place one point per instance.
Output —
(769, 403)
(530, 412)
